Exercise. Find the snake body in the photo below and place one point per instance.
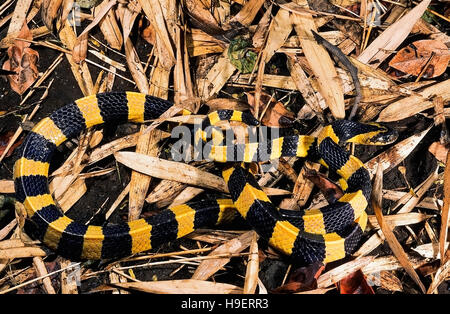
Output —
(325, 234)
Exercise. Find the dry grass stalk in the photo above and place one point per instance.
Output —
(109, 27)
(419, 193)
(23, 284)
(439, 277)
(268, 80)
(208, 268)
(165, 192)
(154, 12)
(108, 60)
(114, 278)
(429, 250)
(388, 263)
(76, 190)
(7, 229)
(303, 84)
(21, 252)
(170, 170)
(213, 236)
(279, 30)
(320, 62)
(11, 243)
(61, 183)
(19, 16)
(426, 202)
(159, 81)
(117, 202)
(135, 67)
(6, 186)
(251, 274)
(186, 195)
(216, 78)
(80, 71)
(148, 145)
(183, 286)
(400, 219)
(387, 230)
(41, 271)
(445, 211)
(336, 274)
(116, 145)
(410, 202)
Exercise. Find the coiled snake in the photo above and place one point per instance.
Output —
(325, 234)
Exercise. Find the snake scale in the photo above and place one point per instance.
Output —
(324, 234)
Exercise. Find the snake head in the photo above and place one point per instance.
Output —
(384, 136)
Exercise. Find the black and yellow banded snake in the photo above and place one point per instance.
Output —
(325, 234)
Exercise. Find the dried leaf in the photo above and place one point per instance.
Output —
(302, 279)
(392, 37)
(440, 276)
(413, 58)
(319, 61)
(445, 211)
(4, 140)
(22, 60)
(275, 114)
(355, 283)
(330, 190)
(416, 103)
(336, 274)
(439, 151)
(202, 18)
(248, 12)
(6, 186)
(279, 30)
(209, 267)
(251, 274)
(149, 34)
(183, 286)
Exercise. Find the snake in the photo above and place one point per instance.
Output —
(326, 234)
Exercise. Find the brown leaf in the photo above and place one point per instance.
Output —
(50, 12)
(276, 115)
(439, 151)
(330, 190)
(202, 18)
(355, 283)
(413, 58)
(4, 140)
(302, 279)
(22, 60)
(149, 34)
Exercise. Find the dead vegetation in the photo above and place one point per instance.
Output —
(386, 61)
